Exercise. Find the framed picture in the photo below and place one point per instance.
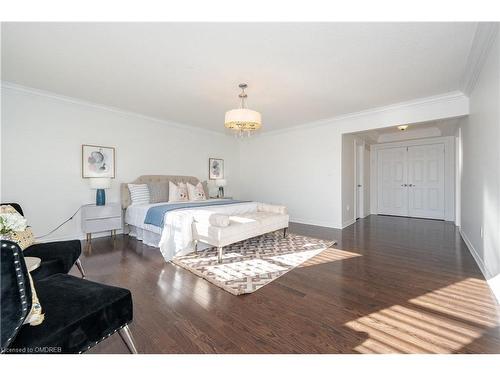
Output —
(215, 169)
(98, 161)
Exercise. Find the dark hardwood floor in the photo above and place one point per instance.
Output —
(390, 285)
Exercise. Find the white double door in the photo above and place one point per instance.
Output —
(411, 181)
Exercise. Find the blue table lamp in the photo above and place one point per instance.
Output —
(100, 183)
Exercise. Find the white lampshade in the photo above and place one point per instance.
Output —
(243, 119)
(100, 183)
(220, 182)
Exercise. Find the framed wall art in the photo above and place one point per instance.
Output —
(215, 168)
(98, 161)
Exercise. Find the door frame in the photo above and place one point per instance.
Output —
(361, 144)
(449, 171)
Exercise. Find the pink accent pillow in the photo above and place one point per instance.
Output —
(196, 193)
(177, 193)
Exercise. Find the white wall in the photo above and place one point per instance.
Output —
(301, 167)
(41, 154)
(480, 177)
(295, 168)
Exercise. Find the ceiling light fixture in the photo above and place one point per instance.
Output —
(242, 120)
(403, 127)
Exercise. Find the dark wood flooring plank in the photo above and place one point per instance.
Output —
(391, 285)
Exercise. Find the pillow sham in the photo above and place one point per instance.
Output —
(177, 193)
(196, 193)
(158, 192)
(139, 193)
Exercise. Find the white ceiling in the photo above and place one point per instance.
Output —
(189, 72)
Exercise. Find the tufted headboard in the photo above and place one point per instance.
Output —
(125, 193)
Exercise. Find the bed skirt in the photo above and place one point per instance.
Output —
(146, 236)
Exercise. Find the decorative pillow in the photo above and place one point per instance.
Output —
(35, 316)
(177, 193)
(139, 193)
(16, 227)
(23, 238)
(219, 220)
(158, 192)
(196, 193)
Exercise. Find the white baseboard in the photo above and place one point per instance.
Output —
(318, 223)
(493, 281)
(475, 255)
(347, 223)
(77, 236)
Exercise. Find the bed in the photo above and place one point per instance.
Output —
(174, 236)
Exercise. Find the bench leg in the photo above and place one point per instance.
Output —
(127, 338)
(284, 232)
(219, 254)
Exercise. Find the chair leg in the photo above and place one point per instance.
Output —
(219, 254)
(195, 246)
(80, 268)
(127, 338)
(284, 232)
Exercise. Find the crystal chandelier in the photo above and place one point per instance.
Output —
(243, 121)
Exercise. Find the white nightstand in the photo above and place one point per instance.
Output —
(101, 219)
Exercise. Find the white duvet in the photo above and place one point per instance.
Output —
(176, 234)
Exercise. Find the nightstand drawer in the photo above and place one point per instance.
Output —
(101, 225)
(107, 211)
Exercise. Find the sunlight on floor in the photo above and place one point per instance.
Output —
(441, 321)
(329, 255)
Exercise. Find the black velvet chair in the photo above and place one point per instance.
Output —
(57, 257)
(78, 313)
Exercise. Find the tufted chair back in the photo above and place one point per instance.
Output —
(16, 292)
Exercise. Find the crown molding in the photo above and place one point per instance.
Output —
(332, 121)
(443, 98)
(48, 94)
(484, 37)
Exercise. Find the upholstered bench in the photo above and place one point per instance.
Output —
(221, 230)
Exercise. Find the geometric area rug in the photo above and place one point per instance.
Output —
(249, 265)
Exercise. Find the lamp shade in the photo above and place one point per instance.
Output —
(100, 183)
(220, 182)
(243, 119)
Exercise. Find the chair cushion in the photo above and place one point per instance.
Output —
(78, 314)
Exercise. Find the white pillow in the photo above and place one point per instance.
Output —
(139, 193)
(196, 193)
(177, 193)
(219, 220)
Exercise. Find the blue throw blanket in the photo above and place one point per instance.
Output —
(156, 215)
